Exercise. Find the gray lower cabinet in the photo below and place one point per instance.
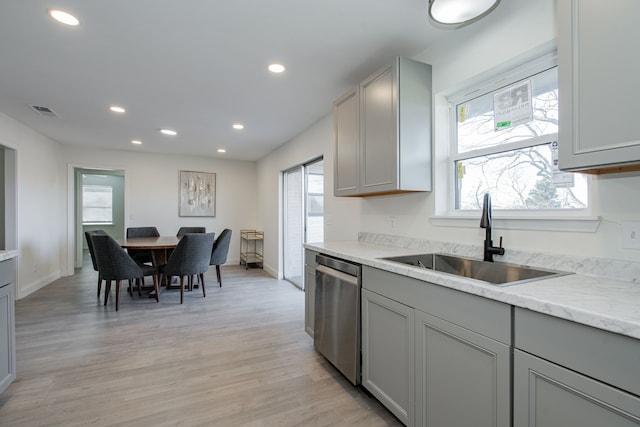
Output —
(548, 395)
(309, 290)
(7, 325)
(463, 378)
(388, 353)
(435, 356)
(567, 374)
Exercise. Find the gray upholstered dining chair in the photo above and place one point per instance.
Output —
(220, 252)
(89, 234)
(142, 256)
(184, 230)
(189, 258)
(114, 263)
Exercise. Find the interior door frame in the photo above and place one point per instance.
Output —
(74, 227)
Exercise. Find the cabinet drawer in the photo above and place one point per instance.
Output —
(484, 316)
(608, 357)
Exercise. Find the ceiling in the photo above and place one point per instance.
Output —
(195, 66)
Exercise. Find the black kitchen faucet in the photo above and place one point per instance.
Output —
(485, 222)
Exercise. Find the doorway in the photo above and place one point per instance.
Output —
(99, 205)
(303, 215)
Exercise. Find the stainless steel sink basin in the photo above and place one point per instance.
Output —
(500, 274)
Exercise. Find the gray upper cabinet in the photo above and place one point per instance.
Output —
(383, 133)
(598, 80)
(347, 145)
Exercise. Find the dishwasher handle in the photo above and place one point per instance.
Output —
(339, 275)
(339, 265)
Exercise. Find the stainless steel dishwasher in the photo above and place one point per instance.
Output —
(336, 332)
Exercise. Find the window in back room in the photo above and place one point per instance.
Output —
(97, 204)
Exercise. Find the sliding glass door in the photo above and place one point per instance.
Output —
(303, 215)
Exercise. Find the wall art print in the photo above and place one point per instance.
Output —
(197, 193)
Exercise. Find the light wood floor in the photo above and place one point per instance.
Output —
(239, 357)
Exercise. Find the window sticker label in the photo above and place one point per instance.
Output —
(460, 170)
(512, 106)
(558, 178)
(462, 113)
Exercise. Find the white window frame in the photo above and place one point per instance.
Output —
(83, 205)
(578, 220)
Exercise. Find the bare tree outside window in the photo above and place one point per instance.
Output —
(514, 162)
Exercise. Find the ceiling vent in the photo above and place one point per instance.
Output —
(44, 111)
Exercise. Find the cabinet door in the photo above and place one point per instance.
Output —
(598, 80)
(346, 145)
(388, 353)
(379, 133)
(7, 336)
(309, 296)
(547, 395)
(463, 377)
(309, 290)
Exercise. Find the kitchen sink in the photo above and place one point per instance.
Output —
(495, 273)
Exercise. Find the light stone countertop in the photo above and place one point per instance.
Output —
(609, 304)
(8, 254)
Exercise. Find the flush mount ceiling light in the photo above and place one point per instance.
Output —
(117, 109)
(238, 126)
(64, 17)
(276, 68)
(136, 142)
(168, 132)
(221, 150)
(452, 14)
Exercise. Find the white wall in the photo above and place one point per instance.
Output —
(40, 205)
(342, 215)
(151, 189)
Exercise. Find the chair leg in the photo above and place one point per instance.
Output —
(155, 286)
(181, 289)
(201, 277)
(140, 282)
(117, 293)
(219, 275)
(107, 289)
(99, 285)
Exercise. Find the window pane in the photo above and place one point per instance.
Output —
(97, 204)
(476, 128)
(518, 179)
(315, 183)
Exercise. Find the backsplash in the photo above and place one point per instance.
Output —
(597, 267)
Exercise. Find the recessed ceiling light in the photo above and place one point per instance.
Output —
(117, 109)
(238, 126)
(63, 17)
(168, 132)
(221, 150)
(276, 68)
(136, 142)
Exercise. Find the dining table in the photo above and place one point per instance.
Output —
(160, 247)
